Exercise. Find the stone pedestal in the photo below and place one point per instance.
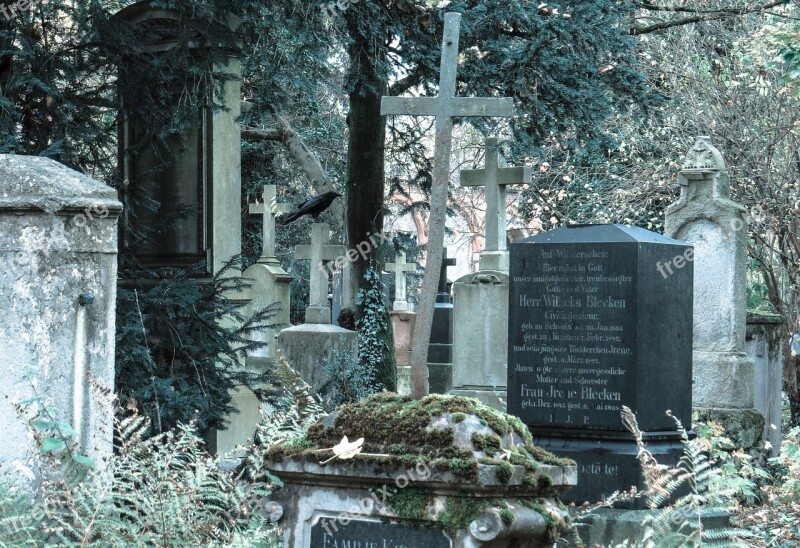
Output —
(706, 217)
(58, 270)
(403, 328)
(400, 491)
(307, 347)
(480, 334)
(765, 340)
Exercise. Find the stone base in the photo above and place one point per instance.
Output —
(241, 425)
(440, 378)
(722, 380)
(308, 347)
(744, 427)
(318, 314)
(404, 380)
(495, 399)
(607, 462)
(494, 260)
(612, 527)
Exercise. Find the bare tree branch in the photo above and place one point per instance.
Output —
(700, 15)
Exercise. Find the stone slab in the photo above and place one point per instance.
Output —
(307, 347)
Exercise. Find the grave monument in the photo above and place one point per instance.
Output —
(307, 346)
(481, 298)
(440, 349)
(402, 321)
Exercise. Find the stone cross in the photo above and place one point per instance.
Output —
(444, 107)
(400, 267)
(269, 209)
(319, 252)
(495, 179)
(443, 296)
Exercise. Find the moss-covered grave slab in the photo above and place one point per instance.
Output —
(446, 464)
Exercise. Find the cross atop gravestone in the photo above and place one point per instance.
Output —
(444, 107)
(495, 179)
(269, 209)
(443, 296)
(400, 267)
(319, 252)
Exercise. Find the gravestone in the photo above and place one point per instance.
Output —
(403, 321)
(269, 284)
(706, 217)
(765, 340)
(399, 491)
(594, 326)
(58, 266)
(440, 349)
(308, 346)
(480, 328)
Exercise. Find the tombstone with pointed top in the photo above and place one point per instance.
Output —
(309, 346)
(706, 217)
(481, 326)
(440, 349)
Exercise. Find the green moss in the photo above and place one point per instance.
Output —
(507, 516)
(488, 443)
(409, 503)
(553, 523)
(547, 457)
(466, 468)
(504, 471)
(459, 512)
(459, 417)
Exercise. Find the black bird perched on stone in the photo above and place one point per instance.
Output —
(313, 207)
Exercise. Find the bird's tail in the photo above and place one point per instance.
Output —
(292, 217)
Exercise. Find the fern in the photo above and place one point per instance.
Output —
(679, 524)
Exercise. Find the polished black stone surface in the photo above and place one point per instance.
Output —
(332, 533)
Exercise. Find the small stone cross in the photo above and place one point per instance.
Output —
(269, 209)
(400, 267)
(319, 252)
(495, 179)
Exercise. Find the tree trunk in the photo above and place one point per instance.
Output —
(365, 156)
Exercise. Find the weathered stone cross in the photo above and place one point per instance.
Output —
(495, 179)
(445, 107)
(269, 209)
(400, 267)
(319, 252)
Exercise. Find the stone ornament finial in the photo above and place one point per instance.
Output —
(703, 157)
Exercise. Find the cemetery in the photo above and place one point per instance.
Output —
(399, 274)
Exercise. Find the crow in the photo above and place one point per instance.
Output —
(313, 207)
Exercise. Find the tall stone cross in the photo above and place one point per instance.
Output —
(400, 267)
(444, 107)
(495, 179)
(269, 209)
(319, 252)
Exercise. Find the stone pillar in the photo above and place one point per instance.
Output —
(706, 217)
(766, 336)
(480, 348)
(440, 348)
(58, 265)
(403, 327)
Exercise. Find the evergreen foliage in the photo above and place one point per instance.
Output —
(179, 345)
(375, 334)
(350, 380)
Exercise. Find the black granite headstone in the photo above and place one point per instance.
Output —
(375, 534)
(595, 325)
(440, 349)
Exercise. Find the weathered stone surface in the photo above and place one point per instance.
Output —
(764, 344)
(480, 332)
(403, 328)
(441, 463)
(743, 426)
(306, 347)
(59, 243)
